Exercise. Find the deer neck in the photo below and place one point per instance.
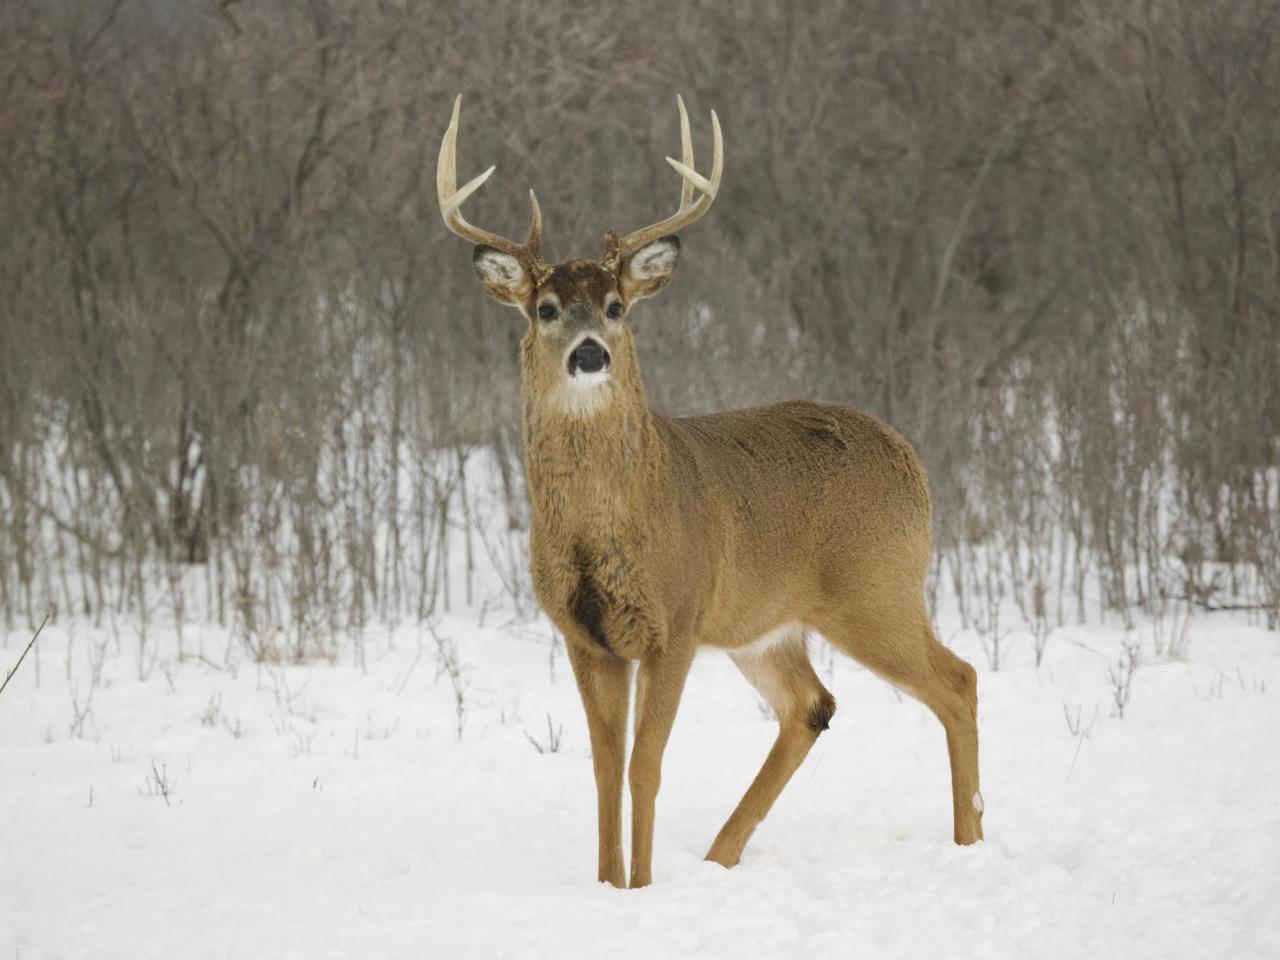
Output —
(590, 466)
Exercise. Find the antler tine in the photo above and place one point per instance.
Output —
(691, 176)
(534, 243)
(689, 209)
(452, 198)
(686, 153)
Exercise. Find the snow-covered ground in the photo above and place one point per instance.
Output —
(332, 809)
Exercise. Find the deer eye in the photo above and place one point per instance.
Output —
(615, 309)
(547, 311)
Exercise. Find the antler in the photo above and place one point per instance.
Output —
(689, 210)
(452, 199)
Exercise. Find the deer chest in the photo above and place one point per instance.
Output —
(595, 597)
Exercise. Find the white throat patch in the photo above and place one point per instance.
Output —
(584, 394)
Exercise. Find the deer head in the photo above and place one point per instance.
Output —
(578, 353)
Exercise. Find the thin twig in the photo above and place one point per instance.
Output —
(9, 676)
(1212, 607)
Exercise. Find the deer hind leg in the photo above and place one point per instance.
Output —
(784, 677)
(954, 699)
(908, 655)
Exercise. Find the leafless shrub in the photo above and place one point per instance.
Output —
(987, 587)
(1120, 675)
(234, 339)
(212, 712)
(158, 783)
(1171, 626)
(552, 743)
(449, 665)
(1079, 731)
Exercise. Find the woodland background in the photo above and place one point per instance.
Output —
(244, 369)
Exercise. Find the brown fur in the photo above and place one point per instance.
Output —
(653, 536)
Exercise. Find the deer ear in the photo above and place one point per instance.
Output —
(649, 269)
(504, 276)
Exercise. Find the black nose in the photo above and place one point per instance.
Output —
(589, 356)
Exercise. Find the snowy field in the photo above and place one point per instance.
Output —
(224, 808)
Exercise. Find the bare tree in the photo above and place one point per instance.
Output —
(1041, 241)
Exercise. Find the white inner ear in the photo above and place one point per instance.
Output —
(658, 259)
(500, 269)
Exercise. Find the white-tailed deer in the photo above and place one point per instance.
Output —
(653, 535)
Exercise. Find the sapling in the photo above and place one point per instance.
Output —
(27, 649)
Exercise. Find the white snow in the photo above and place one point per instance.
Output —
(321, 810)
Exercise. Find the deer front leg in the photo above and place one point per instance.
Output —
(604, 684)
(659, 683)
